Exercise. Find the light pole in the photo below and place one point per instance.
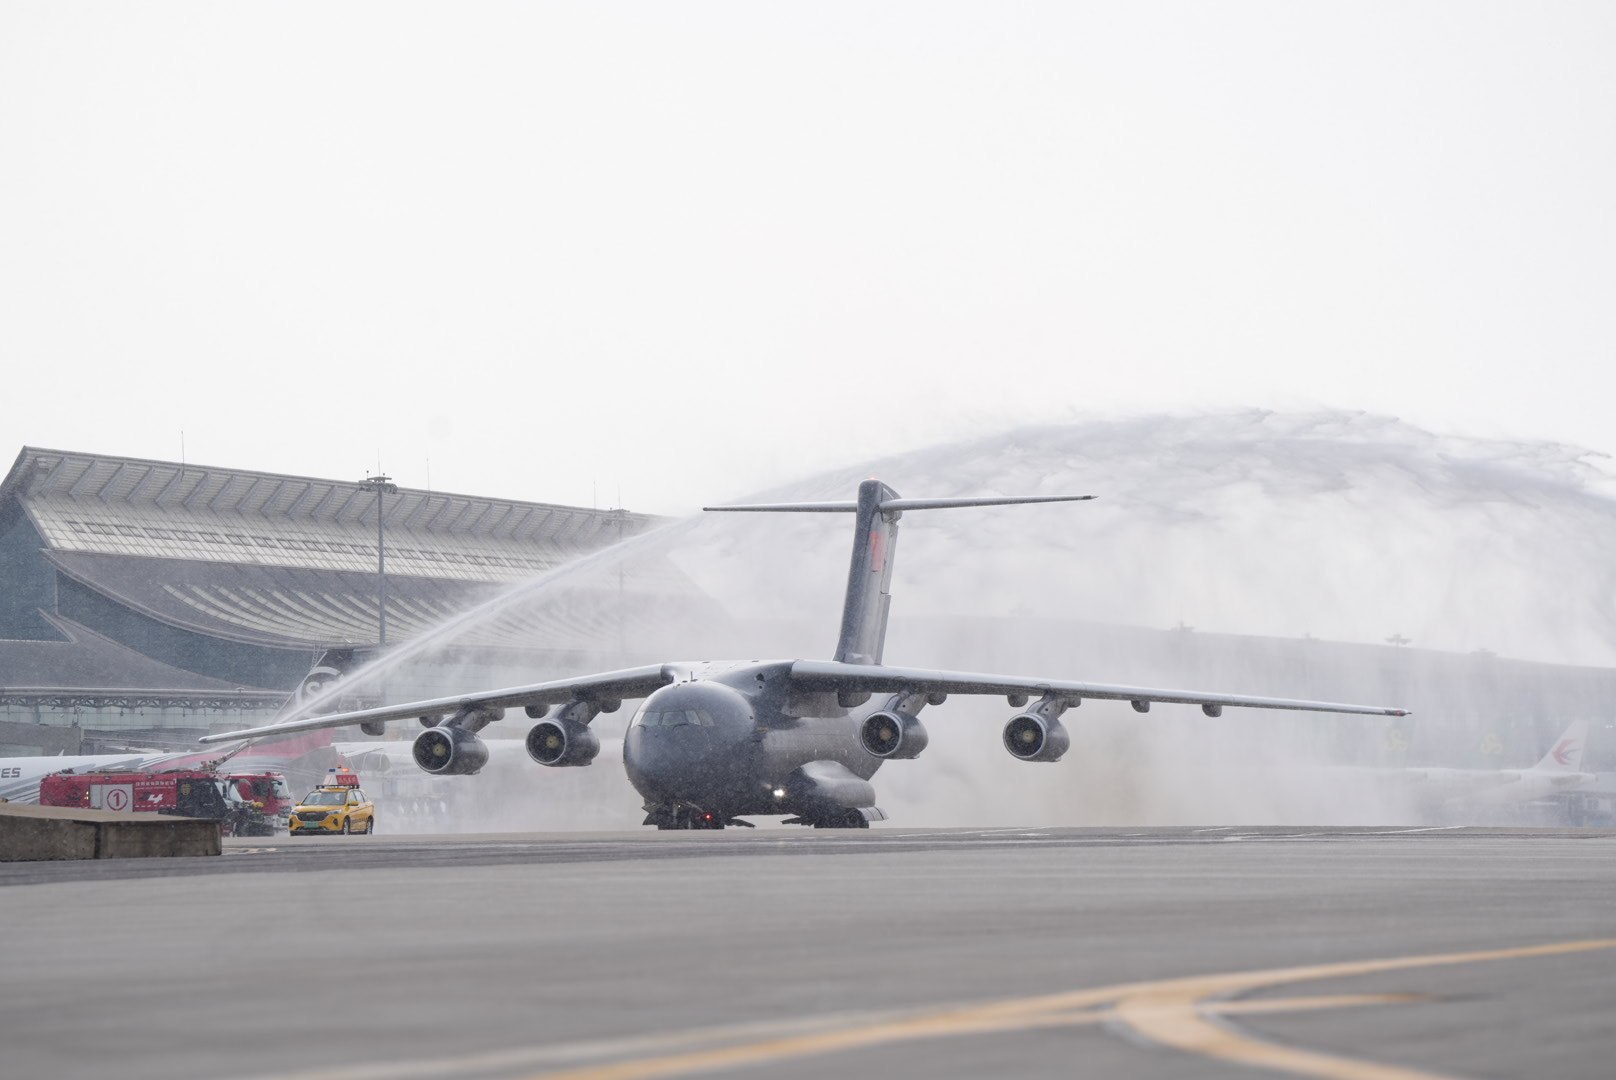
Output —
(622, 614)
(383, 486)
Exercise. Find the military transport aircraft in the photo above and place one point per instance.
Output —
(714, 741)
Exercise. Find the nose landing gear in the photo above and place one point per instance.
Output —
(688, 817)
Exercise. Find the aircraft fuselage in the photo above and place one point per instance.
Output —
(731, 741)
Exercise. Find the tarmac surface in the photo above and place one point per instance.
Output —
(1381, 954)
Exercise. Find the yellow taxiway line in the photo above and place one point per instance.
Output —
(1176, 1013)
(1190, 1014)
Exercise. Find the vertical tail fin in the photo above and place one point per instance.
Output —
(1566, 753)
(331, 665)
(875, 538)
(869, 577)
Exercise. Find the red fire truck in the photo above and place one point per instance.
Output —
(244, 804)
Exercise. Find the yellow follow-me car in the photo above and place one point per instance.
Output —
(333, 810)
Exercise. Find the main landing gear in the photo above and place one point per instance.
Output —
(692, 817)
(837, 819)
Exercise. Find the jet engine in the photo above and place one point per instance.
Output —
(562, 741)
(1031, 737)
(449, 750)
(373, 727)
(890, 733)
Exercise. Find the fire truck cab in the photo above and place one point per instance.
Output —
(266, 790)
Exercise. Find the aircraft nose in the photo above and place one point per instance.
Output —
(679, 745)
(674, 761)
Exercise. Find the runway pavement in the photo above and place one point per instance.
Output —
(1367, 953)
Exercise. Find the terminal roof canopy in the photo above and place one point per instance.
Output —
(275, 560)
(128, 506)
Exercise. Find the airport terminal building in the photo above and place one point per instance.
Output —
(146, 602)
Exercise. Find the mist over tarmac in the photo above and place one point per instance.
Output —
(1341, 527)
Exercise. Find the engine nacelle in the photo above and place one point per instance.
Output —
(892, 734)
(1031, 737)
(448, 750)
(562, 742)
(373, 727)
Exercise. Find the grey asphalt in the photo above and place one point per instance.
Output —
(516, 955)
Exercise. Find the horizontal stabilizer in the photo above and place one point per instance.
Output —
(890, 506)
(794, 508)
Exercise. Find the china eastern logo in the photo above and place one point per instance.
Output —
(1562, 752)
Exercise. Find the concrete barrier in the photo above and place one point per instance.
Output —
(31, 833)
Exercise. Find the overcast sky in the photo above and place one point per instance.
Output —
(687, 250)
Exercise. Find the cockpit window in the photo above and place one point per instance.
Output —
(676, 718)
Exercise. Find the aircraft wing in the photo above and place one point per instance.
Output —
(628, 683)
(830, 675)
